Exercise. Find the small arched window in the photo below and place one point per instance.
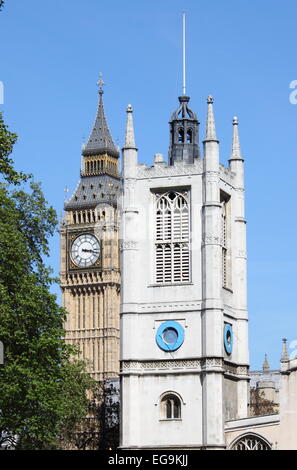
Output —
(170, 407)
(181, 136)
(189, 136)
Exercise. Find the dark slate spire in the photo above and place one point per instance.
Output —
(100, 140)
(183, 133)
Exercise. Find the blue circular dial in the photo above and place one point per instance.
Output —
(170, 336)
(228, 338)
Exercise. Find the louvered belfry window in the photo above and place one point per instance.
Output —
(172, 237)
(224, 245)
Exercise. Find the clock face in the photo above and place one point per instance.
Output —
(85, 250)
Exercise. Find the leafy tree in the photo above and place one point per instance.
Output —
(1, 3)
(42, 391)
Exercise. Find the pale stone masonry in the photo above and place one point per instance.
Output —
(183, 266)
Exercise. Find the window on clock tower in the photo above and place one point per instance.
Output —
(172, 243)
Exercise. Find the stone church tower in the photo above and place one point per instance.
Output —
(90, 270)
(184, 335)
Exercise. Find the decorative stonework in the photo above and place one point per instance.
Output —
(212, 363)
(198, 364)
(236, 370)
(128, 245)
(178, 169)
(160, 365)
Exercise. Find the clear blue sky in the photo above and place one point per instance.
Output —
(241, 52)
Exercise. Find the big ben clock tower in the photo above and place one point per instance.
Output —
(90, 270)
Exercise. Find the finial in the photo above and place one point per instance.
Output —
(129, 109)
(284, 355)
(210, 123)
(100, 84)
(266, 366)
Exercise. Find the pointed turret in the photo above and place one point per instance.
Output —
(100, 140)
(129, 136)
(236, 161)
(129, 149)
(210, 122)
(211, 143)
(236, 153)
(284, 354)
(266, 366)
(184, 130)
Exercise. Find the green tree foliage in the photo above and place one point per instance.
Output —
(42, 392)
(7, 141)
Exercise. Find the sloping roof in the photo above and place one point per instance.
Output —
(93, 190)
(100, 140)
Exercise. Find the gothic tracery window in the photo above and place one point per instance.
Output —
(251, 442)
(172, 247)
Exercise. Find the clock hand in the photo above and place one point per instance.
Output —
(89, 251)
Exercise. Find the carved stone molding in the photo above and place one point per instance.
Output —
(160, 365)
(233, 369)
(128, 245)
(185, 364)
(212, 363)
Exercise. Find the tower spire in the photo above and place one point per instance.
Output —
(210, 122)
(236, 153)
(266, 366)
(100, 140)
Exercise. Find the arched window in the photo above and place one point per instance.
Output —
(172, 237)
(250, 442)
(170, 407)
(189, 136)
(181, 136)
